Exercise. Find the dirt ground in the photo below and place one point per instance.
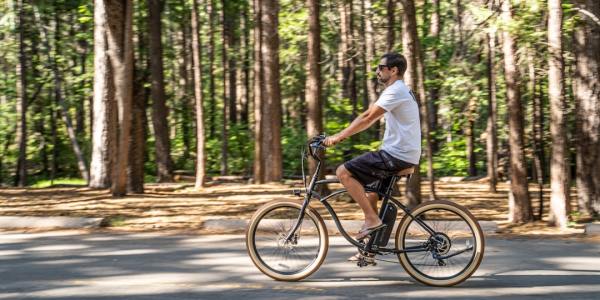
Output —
(178, 206)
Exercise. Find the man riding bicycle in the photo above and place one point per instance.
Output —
(401, 147)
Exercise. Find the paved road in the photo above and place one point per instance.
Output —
(71, 265)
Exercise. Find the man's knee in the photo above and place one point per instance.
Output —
(342, 173)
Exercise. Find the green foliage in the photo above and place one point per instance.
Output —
(44, 183)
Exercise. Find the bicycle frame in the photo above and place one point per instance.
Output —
(386, 198)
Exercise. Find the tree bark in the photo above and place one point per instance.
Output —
(559, 177)
(21, 72)
(259, 85)
(519, 203)
(434, 90)
(227, 99)
(492, 130)
(371, 79)
(164, 162)
(413, 188)
(197, 61)
(211, 67)
(314, 122)
(104, 115)
(272, 96)
(137, 150)
(120, 45)
(536, 132)
(391, 24)
(587, 92)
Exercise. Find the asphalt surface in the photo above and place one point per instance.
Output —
(75, 265)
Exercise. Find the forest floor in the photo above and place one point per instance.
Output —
(179, 207)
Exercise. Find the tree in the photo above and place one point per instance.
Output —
(492, 130)
(104, 124)
(113, 81)
(21, 69)
(314, 120)
(159, 109)
(197, 58)
(519, 203)
(559, 179)
(268, 156)
(586, 83)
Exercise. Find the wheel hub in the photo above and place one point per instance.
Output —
(441, 243)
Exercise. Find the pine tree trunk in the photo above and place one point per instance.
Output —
(164, 163)
(371, 80)
(137, 150)
(21, 70)
(226, 43)
(391, 24)
(492, 129)
(559, 177)
(314, 122)
(104, 115)
(411, 77)
(211, 67)
(434, 90)
(259, 102)
(272, 96)
(519, 203)
(587, 92)
(197, 60)
(120, 45)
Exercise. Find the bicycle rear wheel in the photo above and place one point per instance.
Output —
(454, 251)
(278, 258)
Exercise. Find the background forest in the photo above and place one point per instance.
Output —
(118, 93)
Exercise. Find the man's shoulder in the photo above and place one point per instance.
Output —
(397, 90)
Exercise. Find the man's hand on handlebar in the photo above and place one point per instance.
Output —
(332, 140)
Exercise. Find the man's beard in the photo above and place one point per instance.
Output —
(382, 80)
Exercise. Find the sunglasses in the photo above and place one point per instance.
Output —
(380, 67)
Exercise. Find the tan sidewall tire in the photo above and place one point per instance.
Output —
(323, 237)
(480, 242)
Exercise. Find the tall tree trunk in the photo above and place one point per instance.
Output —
(21, 70)
(369, 49)
(434, 90)
(492, 131)
(391, 24)
(519, 203)
(164, 163)
(244, 94)
(197, 60)
(211, 67)
(259, 102)
(137, 150)
(346, 54)
(314, 122)
(120, 45)
(559, 177)
(226, 43)
(587, 92)
(272, 96)
(104, 129)
(413, 189)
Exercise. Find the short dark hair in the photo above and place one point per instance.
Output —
(397, 60)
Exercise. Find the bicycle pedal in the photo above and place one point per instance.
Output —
(364, 261)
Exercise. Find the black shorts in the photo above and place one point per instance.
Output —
(373, 167)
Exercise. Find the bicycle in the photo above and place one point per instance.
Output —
(438, 243)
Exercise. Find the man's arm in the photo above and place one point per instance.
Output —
(362, 122)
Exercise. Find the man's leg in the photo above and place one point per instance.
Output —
(357, 191)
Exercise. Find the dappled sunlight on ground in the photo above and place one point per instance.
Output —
(180, 206)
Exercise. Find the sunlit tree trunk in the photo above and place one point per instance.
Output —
(587, 92)
(314, 122)
(21, 136)
(104, 124)
(492, 131)
(197, 59)
(519, 203)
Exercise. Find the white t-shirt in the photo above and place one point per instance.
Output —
(402, 137)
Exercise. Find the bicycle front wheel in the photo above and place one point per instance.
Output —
(281, 258)
(450, 254)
